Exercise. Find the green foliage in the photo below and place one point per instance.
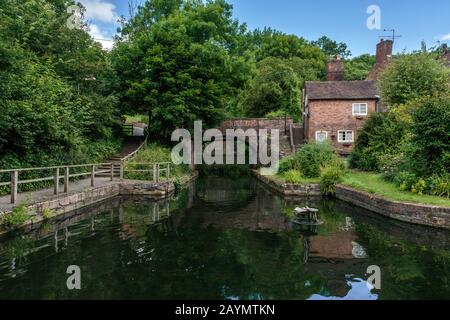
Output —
(440, 185)
(382, 133)
(310, 159)
(47, 213)
(332, 48)
(359, 68)
(313, 156)
(330, 176)
(292, 176)
(405, 180)
(431, 135)
(182, 67)
(152, 154)
(419, 187)
(276, 114)
(275, 87)
(413, 76)
(50, 112)
(17, 217)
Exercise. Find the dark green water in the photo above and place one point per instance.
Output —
(224, 238)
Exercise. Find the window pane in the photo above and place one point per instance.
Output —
(363, 109)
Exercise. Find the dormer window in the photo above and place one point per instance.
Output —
(360, 109)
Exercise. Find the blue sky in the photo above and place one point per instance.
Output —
(343, 20)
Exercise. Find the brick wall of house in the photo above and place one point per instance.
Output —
(332, 116)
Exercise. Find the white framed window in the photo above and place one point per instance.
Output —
(346, 136)
(360, 109)
(321, 136)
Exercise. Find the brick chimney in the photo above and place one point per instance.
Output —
(384, 54)
(335, 69)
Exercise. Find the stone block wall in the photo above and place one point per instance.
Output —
(245, 124)
(413, 213)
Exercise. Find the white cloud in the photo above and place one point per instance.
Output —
(99, 36)
(100, 10)
(445, 37)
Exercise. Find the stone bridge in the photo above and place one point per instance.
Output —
(289, 137)
(282, 125)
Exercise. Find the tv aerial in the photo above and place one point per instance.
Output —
(394, 36)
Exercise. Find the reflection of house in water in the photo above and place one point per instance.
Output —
(335, 257)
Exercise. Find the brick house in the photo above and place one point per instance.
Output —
(335, 109)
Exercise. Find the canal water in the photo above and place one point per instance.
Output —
(226, 237)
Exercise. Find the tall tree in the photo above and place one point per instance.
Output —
(182, 68)
(332, 48)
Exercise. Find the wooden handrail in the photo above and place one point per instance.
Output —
(154, 168)
(55, 167)
(59, 173)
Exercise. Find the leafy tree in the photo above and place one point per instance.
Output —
(183, 68)
(332, 48)
(49, 112)
(431, 135)
(413, 76)
(275, 87)
(382, 133)
(359, 68)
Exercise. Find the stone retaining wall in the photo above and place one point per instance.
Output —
(245, 124)
(287, 189)
(413, 213)
(421, 214)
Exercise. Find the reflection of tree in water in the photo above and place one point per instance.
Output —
(409, 271)
(225, 194)
(249, 252)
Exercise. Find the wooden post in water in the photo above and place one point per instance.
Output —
(93, 176)
(56, 181)
(66, 179)
(14, 185)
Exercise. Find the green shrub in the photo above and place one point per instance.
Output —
(405, 180)
(47, 213)
(276, 114)
(292, 176)
(419, 187)
(313, 156)
(17, 217)
(289, 163)
(330, 176)
(439, 185)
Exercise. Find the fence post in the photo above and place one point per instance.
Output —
(159, 173)
(14, 185)
(121, 169)
(168, 171)
(93, 176)
(56, 181)
(66, 179)
(112, 171)
(155, 179)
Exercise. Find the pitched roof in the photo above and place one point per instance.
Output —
(341, 90)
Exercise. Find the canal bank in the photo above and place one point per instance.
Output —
(48, 207)
(224, 238)
(421, 214)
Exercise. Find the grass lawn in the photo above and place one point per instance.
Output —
(136, 119)
(375, 184)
